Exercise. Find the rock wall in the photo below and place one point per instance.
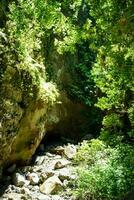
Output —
(28, 111)
(33, 90)
(24, 113)
(74, 120)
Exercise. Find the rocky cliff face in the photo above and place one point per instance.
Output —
(33, 95)
(25, 107)
(28, 110)
(29, 107)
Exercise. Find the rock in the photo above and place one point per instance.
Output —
(42, 181)
(15, 189)
(43, 177)
(65, 183)
(49, 155)
(46, 170)
(39, 160)
(8, 189)
(61, 163)
(35, 189)
(37, 168)
(70, 151)
(57, 157)
(25, 190)
(51, 185)
(33, 178)
(26, 169)
(49, 172)
(65, 174)
(58, 150)
(19, 180)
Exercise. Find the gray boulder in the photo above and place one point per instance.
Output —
(51, 185)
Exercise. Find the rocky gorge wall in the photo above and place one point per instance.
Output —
(28, 111)
(34, 80)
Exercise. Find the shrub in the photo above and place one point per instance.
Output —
(107, 172)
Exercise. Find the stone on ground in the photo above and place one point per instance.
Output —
(19, 180)
(61, 163)
(33, 178)
(44, 180)
(64, 174)
(70, 151)
(58, 150)
(51, 185)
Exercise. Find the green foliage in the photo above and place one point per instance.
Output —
(111, 120)
(83, 87)
(105, 173)
(87, 151)
(95, 38)
(113, 70)
(23, 52)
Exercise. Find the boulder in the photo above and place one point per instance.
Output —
(70, 151)
(48, 173)
(61, 163)
(51, 185)
(58, 150)
(19, 180)
(33, 178)
(39, 160)
(64, 174)
(23, 111)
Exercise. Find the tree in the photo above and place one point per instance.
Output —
(114, 68)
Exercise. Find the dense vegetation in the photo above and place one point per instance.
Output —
(97, 37)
